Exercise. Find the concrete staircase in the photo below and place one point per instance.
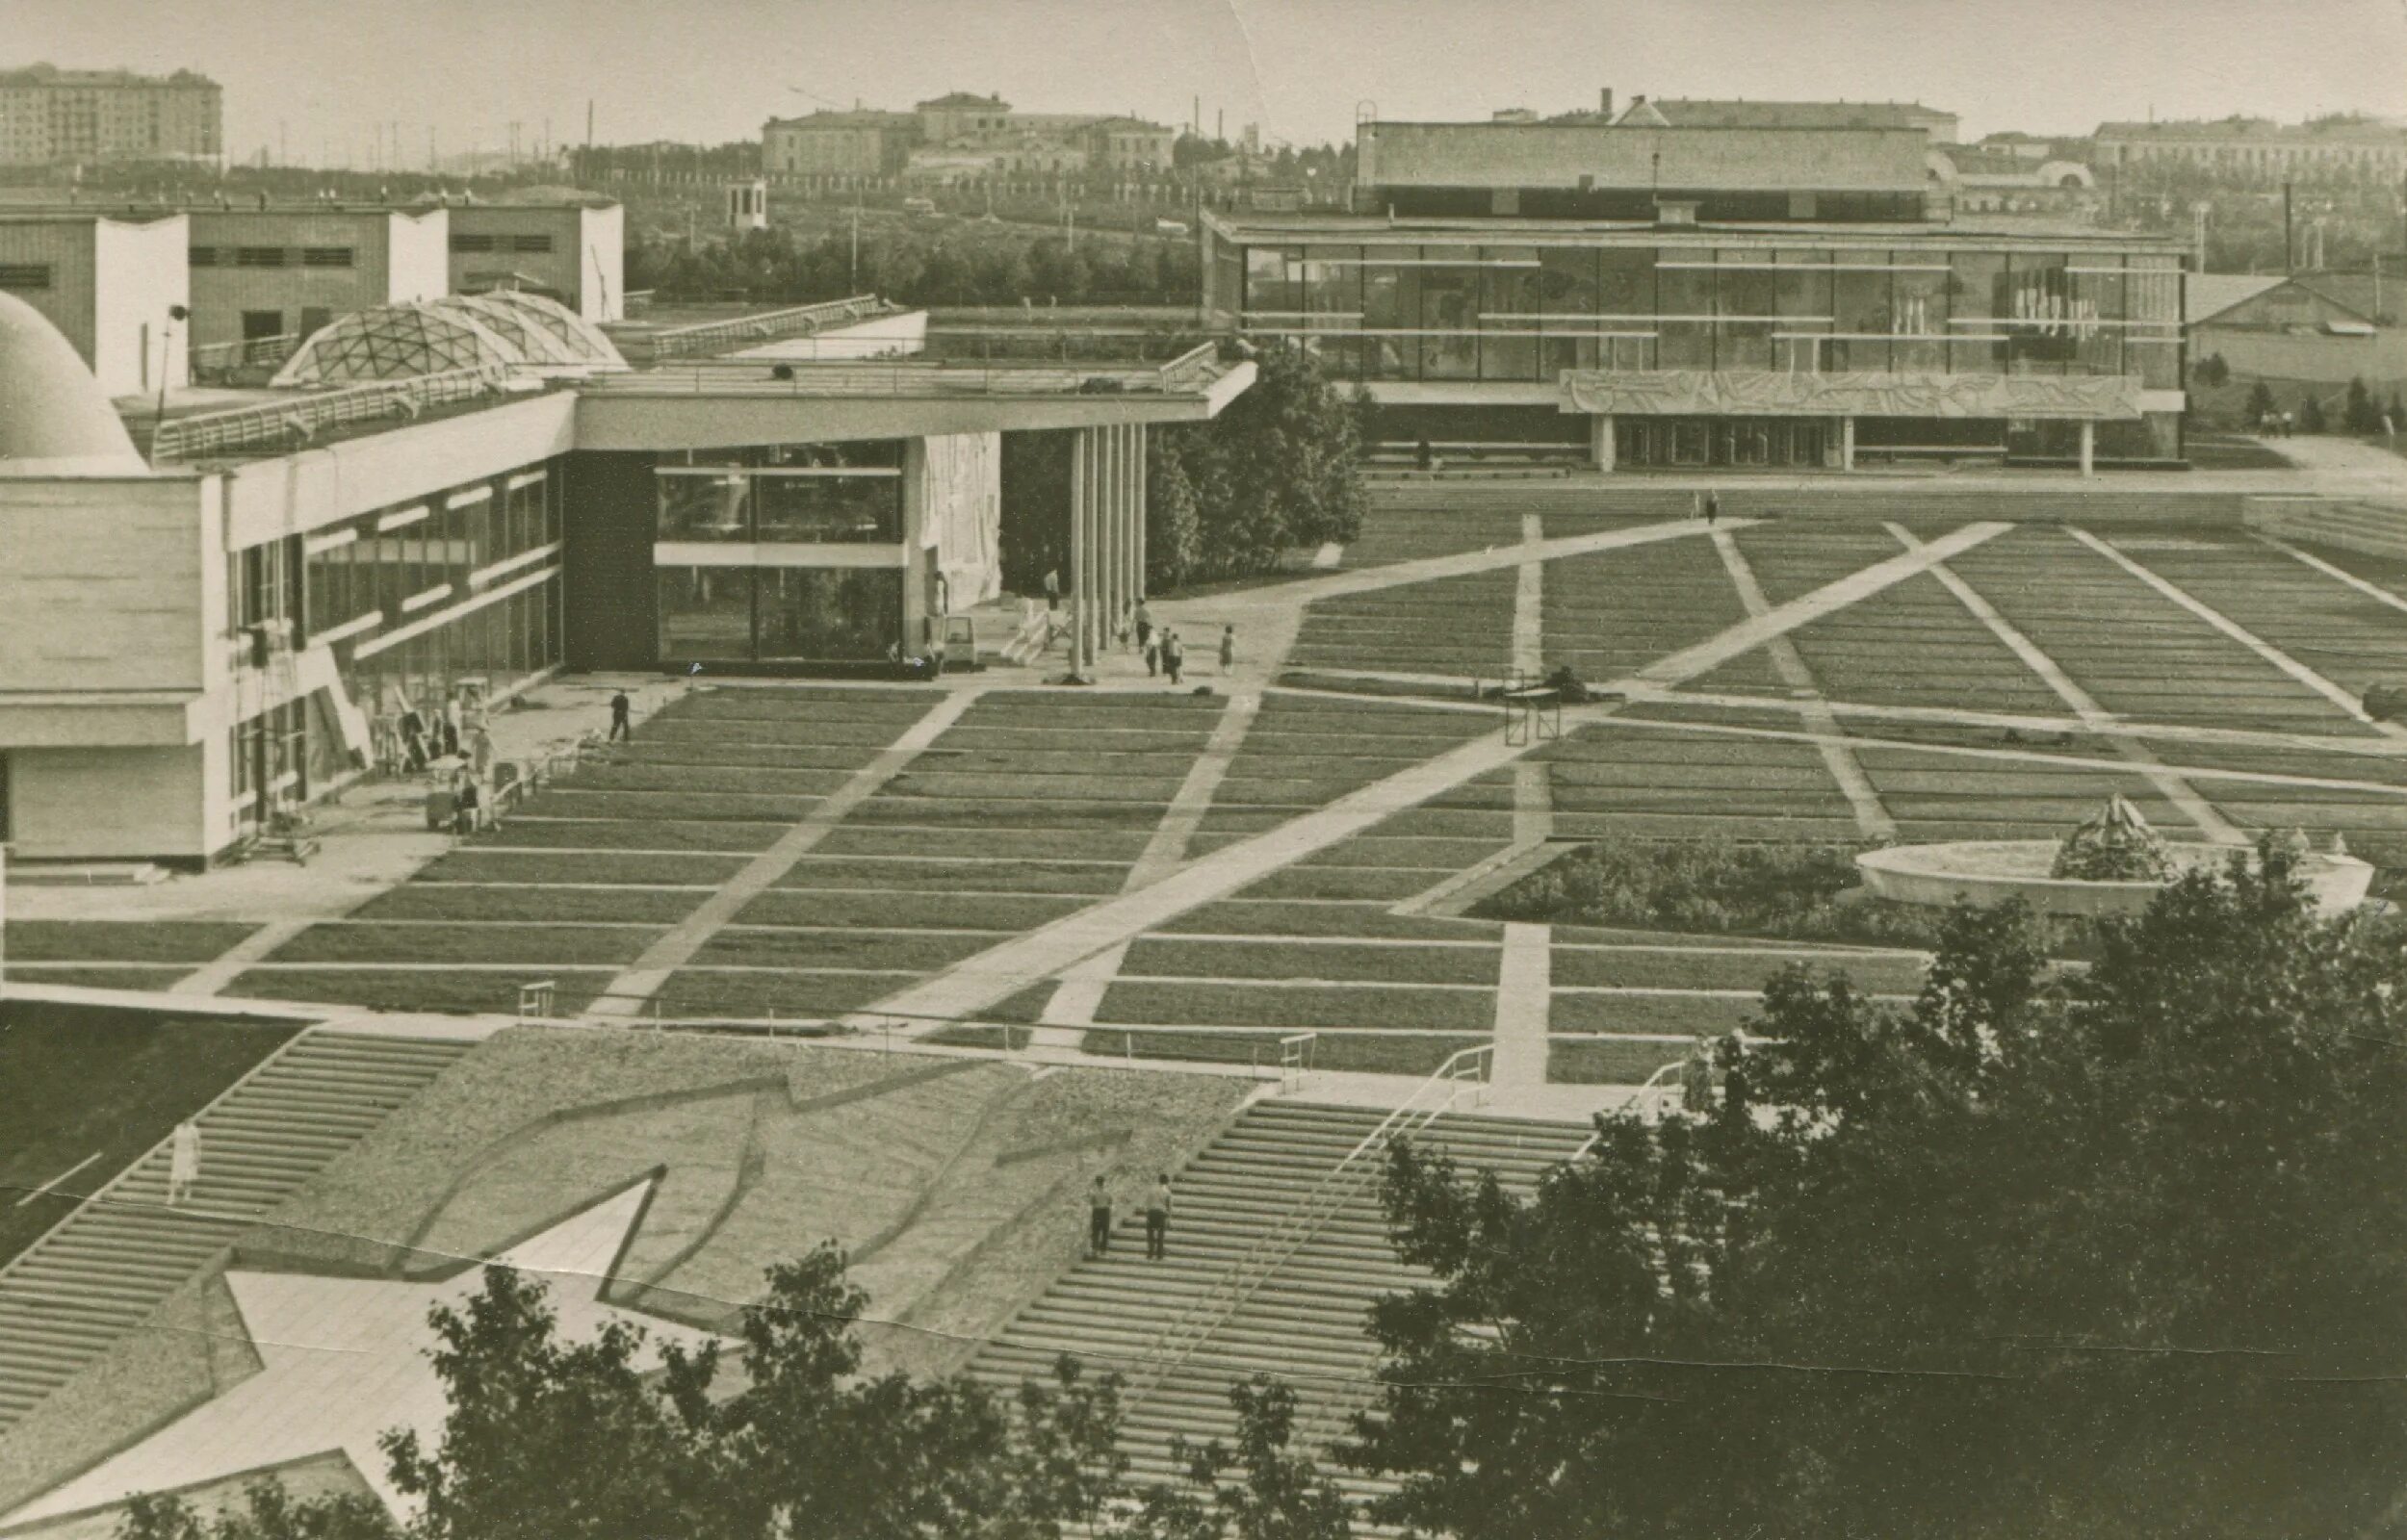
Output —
(101, 1271)
(1305, 1324)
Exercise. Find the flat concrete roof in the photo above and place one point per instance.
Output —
(1373, 229)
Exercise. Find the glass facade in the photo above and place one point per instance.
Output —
(1495, 312)
(785, 494)
(779, 614)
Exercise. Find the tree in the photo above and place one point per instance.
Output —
(2359, 416)
(2310, 414)
(2260, 403)
(1277, 1494)
(2114, 1254)
(1172, 544)
(1280, 467)
(2213, 371)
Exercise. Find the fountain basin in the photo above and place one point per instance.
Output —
(1991, 872)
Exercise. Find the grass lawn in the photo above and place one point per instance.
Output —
(967, 912)
(700, 993)
(1605, 1061)
(433, 987)
(556, 944)
(948, 875)
(512, 867)
(1695, 970)
(1618, 1015)
(527, 831)
(989, 844)
(1156, 956)
(104, 1084)
(571, 800)
(457, 901)
(1301, 1007)
(1348, 882)
(1271, 916)
(100, 976)
(187, 941)
(736, 947)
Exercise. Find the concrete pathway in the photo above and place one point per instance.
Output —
(1524, 1000)
(1871, 816)
(1529, 603)
(229, 964)
(2095, 717)
(635, 986)
(2239, 633)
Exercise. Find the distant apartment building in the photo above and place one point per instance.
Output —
(2344, 147)
(858, 143)
(52, 116)
(961, 114)
(285, 270)
(1128, 145)
(110, 284)
(568, 249)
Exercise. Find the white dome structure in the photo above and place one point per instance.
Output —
(55, 420)
(396, 342)
(585, 342)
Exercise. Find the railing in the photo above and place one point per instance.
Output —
(252, 352)
(801, 321)
(1187, 374)
(1195, 1325)
(304, 415)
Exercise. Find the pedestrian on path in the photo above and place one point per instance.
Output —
(413, 737)
(1713, 507)
(1228, 647)
(622, 718)
(183, 1162)
(454, 721)
(465, 802)
(1696, 1078)
(1697, 504)
(1174, 655)
(1052, 588)
(1153, 655)
(1145, 626)
(1157, 1221)
(1099, 1219)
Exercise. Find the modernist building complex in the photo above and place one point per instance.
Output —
(1695, 296)
(53, 117)
(445, 499)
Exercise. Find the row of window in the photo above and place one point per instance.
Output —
(24, 277)
(415, 559)
(1526, 313)
(468, 240)
(274, 256)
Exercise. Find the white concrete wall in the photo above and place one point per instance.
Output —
(952, 489)
(110, 803)
(140, 270)
(294, 494)
(106, 584)
(601, 264)
(418, 261)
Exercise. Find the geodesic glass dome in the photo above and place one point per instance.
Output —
(586, 343)
(533, 343)
(396, 342)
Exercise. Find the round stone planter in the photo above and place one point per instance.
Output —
(1993, 870)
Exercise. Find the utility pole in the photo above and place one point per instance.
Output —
(854, 283)
(2290, 250)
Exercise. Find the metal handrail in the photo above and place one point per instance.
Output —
(769, 325)
(304, 414)
(1195, 1325)
(210, 357)
(1190, 373)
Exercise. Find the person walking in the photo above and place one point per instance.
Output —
(413, 738)
(1052, 588)
(1157, 1220)
(1153, 655)
(1713, 507)
(1228, 647)
(1697, 504)
(183, 1162)
(454, 721)
(1174, 655)
(1099, 1219)
(1145, 626)
(465, 803)
(622, 718)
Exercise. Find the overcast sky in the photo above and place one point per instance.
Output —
(323, 71)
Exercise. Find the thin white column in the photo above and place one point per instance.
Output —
(1132, 530)
(2088, 447)
(1136, 564)
(1113, 454)
(1600, 445)
(1080, 474)
(1847, 444)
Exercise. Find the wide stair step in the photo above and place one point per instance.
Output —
(74, 1292)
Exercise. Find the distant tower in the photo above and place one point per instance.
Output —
(748, 205)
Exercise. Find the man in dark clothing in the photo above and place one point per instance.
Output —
(413, 740)
(464, 802)
(1099, 1219)
(1174, 655)
(622, 722)
(1157, 1221)
(1713, 506)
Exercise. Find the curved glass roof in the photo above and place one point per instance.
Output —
(515, 332)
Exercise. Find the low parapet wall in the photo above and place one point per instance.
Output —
(2103, 504)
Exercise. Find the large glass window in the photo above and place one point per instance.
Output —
(1918, 306)
(1801, 297)
(1625, 288)
(2096, 286)
(2039, 336)
(1567, 298)
(1860, 299)
(1684, 304)
(1509, 312)
(817, 508)
(1274, 287)
(829, 612)
(1333, 302)
(2152, 348)
(1391, 307)
(706, 614)
(705, 505)
(1747, 301)
(1977, 295)
(1450, 297)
